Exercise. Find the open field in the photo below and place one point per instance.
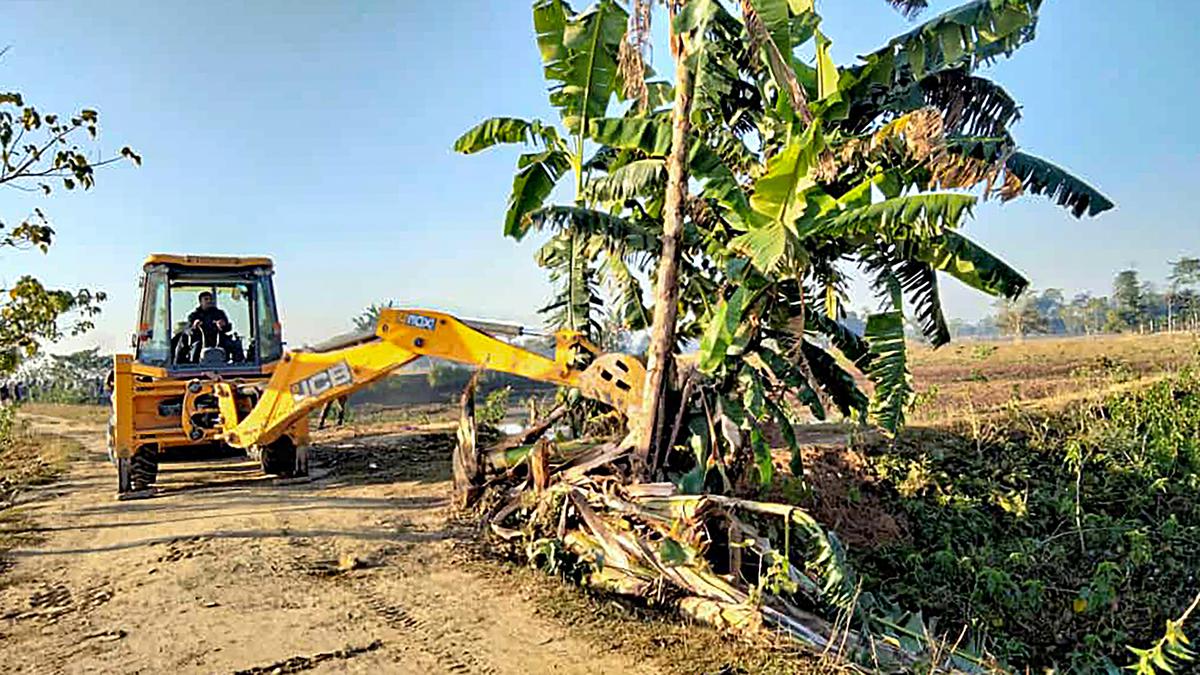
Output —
(978, 515)
(980, 377)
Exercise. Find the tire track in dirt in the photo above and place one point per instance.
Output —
(454, 659)
(224, 571)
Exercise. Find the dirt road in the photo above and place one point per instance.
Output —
(359, 570)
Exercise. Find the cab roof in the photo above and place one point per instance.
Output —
(207, 260)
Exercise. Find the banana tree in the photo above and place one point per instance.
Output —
(881, 176)
(580, 54)
(800, 169)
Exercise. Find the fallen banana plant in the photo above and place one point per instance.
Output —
(738, 564)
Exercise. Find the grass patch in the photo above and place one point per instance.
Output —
(29, 458)
(1057, 538)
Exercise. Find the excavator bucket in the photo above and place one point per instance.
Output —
(615, 379)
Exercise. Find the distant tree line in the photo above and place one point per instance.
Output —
(79, 377)
(1134, 305)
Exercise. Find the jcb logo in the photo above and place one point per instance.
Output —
(419, 321)
(336, 375)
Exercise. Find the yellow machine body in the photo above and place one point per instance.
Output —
(262, 401)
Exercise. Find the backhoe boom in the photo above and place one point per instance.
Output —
(304, 380)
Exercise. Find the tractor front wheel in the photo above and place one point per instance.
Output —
(136, 475)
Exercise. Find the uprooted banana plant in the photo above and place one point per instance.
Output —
(743, 565)
(795, 171)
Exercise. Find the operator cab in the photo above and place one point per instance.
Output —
(208, 313)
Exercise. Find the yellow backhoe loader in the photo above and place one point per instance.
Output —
(218, 373)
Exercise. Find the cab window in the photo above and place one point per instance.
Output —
(154, 330)
(234, 299)
(270, 336)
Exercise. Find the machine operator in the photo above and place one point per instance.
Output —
(210, 326)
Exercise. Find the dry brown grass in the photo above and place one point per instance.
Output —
(27, 459)
(92, 414)
(32, 458)
(978, 378)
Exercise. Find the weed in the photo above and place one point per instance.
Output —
(8, 419)
(1058, 539)
(926, 399)
(981, 352)
(1104, 367)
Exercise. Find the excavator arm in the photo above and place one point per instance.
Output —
(305, 380)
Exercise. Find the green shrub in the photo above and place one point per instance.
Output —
(1060, 542)
(494, 408)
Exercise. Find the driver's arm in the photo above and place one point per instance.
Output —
(223, 321)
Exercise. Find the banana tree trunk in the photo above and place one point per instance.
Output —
(666, 289)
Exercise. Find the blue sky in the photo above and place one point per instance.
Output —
(320, 134)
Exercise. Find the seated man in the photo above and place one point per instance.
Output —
(210, 328)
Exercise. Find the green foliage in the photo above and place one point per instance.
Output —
(579, 58)
(721, 333)
(794, 170)
(981, 352)
(565, 256)
(30, 314)
(929, 215)
(888, 369)
(1172, 650)
(1019, 317)
(639, 178)
(965, 37)
(810, 203)
(494, 408)
(537, 174)
(1128, 301)
(36, 151)
(993, 541)
(1185, 273)
(497, 130)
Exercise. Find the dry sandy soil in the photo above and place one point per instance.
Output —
(359, 570)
